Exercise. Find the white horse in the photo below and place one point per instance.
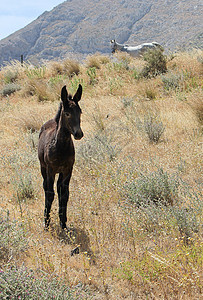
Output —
(134, 51)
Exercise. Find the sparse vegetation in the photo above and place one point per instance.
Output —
(157, 187)
(21, 283)
(135, 208)
(13, 237)
(153, 127)
(10, 88)
(156, 63)
(71, 67)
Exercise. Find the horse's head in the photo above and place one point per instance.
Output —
(71, 112)
(113, 46)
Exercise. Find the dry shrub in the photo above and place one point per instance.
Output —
(123, 56)
(12, 72)
(93, 62)
(40, 89)
(30, 119)
(156, 63)
(56, 68)
(71, 67)
(104, 59)
(197, 105)
(189, 62)
(66, 67)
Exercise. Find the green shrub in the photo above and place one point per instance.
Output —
(36, 72)
(10, 88)
(21, 283)
(153, 127)
(24, 187)
(188, 214)
(156, 63)
(10, 76)
(127, 101)
(13, 237)
(172, 81)
(156, 187)
(91, 72)
(98, 149)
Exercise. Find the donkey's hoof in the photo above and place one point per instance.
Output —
(63, 226)
(75, 251)
(46, 227)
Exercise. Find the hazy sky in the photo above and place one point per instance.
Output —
(16, 14)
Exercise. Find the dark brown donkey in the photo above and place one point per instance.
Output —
(57, 154)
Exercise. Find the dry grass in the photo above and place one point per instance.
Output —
(126, 252)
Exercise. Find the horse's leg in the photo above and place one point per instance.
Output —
(48, 185)
(63, 195)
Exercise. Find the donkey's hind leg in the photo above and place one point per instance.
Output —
(48, 185)
(63, 195)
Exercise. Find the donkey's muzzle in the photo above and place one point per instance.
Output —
(78, 135)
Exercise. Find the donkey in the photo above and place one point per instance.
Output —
(56, 152)
(134, 51)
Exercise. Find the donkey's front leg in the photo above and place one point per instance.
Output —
(49, 197)
(63, 195)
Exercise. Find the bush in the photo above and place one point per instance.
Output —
(156, 63)
(93, 62)
(157, 187)
(56, 68)
(10, 76)
(20, 283)
(24, 187)
(153, 127)
(71, 67)
(172, 81)
(197, 106)
(98, 149)
(40, 88)
(127, 101)
(10, 89)
(13, 237)
(36, 72)
(91, 72)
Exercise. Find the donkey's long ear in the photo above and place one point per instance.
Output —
(78, 94)
(64, 94)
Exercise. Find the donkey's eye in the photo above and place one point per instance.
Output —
(67, 114)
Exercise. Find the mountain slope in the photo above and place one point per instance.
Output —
(87, 26)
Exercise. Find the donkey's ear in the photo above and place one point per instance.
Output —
(78, 94)
(64, 94)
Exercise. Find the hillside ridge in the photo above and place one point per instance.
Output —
(75, 28)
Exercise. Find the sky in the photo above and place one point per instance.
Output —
(15, 15)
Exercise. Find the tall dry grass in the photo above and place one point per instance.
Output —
(132, 242)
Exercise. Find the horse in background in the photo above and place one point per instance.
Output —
(134, 51)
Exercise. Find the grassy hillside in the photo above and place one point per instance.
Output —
(135, 207)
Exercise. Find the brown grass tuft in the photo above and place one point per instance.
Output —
(93, 61)
(71, 67)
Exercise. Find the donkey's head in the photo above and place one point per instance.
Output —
(113, 46)
(71, 112)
